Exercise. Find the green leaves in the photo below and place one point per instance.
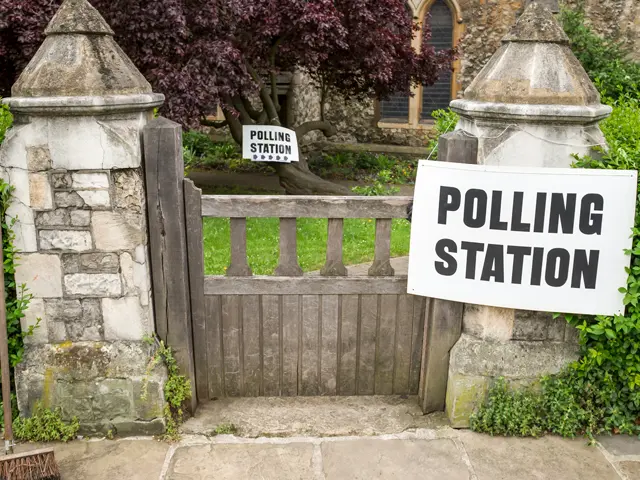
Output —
(45, 425)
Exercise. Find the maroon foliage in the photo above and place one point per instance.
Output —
(201, 52)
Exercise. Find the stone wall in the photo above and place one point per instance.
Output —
(83, 243)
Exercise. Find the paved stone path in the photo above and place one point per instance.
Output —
(438, 454)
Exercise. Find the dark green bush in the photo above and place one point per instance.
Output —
(605, 60)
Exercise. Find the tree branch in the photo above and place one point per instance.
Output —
(253, 113)
(234, 125)
(238, 104)
(325, 127)
(214, 123)
(267, 101)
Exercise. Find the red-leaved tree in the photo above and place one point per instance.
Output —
(204, 53)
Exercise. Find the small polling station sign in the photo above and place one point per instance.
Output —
(263, 143)
(547, 239)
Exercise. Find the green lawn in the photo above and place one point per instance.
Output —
(263, 250)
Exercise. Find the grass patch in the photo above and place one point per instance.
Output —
(263, 249)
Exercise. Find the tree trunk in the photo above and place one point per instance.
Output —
(297, 179)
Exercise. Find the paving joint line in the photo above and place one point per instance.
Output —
(613, 461)
(465, 457)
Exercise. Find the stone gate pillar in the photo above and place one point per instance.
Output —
(532, 105)
(74, 157)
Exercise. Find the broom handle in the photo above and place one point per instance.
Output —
(4, 359)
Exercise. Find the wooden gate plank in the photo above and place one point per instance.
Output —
(271, 337)
(310, 345)
(348, 345)
(404, 333)
(420, 308)
(329, 358)
(290, 325)
(195, 256)
(251, 345)
(215, 366)
(385, 348)
(232, 340)
(367, 358)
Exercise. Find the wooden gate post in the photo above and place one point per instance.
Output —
(164, 169)
(443, 325)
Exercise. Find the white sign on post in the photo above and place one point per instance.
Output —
(264, 143)
(548, 239)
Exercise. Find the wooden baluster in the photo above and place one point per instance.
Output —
(334, 267)
(288, 264)
(381, 266)
(239, 266)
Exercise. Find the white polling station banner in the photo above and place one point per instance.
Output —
(548, 239)
(264, 143)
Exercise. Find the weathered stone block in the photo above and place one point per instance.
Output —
(114, 399)
(54, 218)
(488, 322)
(129, 191)
(93, 285)
(57, 332)
(68, 199)
(59, 310)
(38, 158)
(513, 360)
(152, 405)
(89, 326)
(465, 393)
(73, 362)
(95, 198)
(75, 240)
(531, 326)
(80, 218)
(76, 399)
(123, 319)
(128, 428)
(35, 313)
(40, 194)
(61, 180)
(42, 274)
(90, 263)
(90, 180)
(117, 231)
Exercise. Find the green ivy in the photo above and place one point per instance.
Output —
(177, 389)
(45, 425)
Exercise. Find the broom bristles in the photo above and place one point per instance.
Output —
(35, 465)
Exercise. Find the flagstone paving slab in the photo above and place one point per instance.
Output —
(550, 457)
(291, 461)
(370, 459)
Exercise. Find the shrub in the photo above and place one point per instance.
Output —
(605, 60)
(45, 425)
(446, 121)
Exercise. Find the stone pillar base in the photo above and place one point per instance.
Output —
(101, 384)
(475, 363)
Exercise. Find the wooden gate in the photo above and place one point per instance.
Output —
(295, 334)
(328, 333)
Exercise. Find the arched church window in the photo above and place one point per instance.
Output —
(438, 95)
(395, 109)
